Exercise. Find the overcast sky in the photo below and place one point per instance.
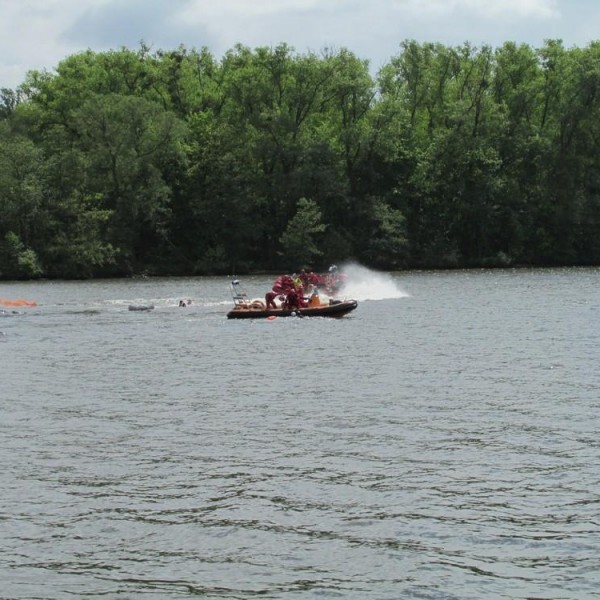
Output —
(38, 34)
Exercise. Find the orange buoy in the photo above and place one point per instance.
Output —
(19, 302)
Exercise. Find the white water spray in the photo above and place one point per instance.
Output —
(364, 284)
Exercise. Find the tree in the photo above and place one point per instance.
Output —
(16, 260)
(386, 247)
(298, 240)
(21, 205)
(127, 142)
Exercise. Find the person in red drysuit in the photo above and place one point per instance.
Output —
(292, 300)
(270, 299)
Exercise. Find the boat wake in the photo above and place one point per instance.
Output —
(364, 284)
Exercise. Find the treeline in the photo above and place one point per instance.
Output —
(173, 162)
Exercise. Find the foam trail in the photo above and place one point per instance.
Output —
(364, 284)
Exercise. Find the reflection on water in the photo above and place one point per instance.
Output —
(440, 442)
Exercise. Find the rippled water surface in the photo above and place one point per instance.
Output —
(440, 442)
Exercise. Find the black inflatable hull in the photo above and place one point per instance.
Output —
(338, 308)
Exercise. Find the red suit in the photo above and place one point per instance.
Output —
(270, 299)
(291, 300)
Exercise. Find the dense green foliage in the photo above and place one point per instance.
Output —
(130, 162)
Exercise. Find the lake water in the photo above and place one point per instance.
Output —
(440, 442)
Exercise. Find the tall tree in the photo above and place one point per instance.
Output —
(300, 246)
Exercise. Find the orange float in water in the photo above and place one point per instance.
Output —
(271, 317)
(18, 302)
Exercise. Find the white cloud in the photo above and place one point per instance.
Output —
(30, 34)
(484, 8)
(242, 9)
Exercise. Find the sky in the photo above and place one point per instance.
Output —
(38, 34)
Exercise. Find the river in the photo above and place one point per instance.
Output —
(440, 442)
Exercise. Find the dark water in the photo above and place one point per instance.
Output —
(440, 442)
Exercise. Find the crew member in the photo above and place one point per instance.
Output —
(270, 299)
